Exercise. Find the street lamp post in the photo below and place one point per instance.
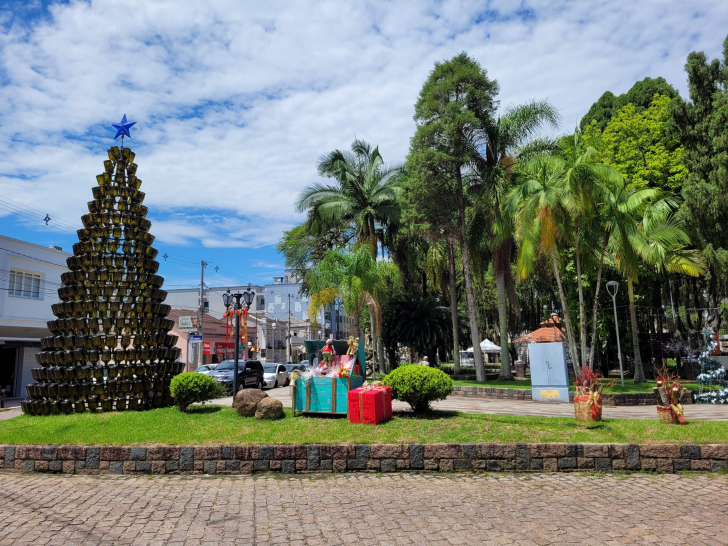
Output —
(229, 299)
(614, 285)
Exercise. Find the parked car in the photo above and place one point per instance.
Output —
(250, 374)
(305, 363)
(275, 375)
(300, 367)
(206, 368)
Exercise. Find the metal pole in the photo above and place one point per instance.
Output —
(237, 346)
(202, 309)
(619, 348)
(288, 337)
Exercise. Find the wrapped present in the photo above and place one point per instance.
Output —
(370, 405)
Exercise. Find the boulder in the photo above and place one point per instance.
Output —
(246, 401)
(269, 408)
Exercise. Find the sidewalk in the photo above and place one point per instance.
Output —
(496, 406)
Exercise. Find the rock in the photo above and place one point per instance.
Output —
(246, 401)
(269, 408)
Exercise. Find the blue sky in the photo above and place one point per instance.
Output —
(235, 101)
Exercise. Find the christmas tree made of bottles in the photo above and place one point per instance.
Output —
(110, 347)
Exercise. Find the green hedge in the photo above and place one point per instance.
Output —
(192, 387)
(419, 386)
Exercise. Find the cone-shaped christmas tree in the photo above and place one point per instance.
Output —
(110, 347)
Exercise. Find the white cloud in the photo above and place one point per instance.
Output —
(236, 101)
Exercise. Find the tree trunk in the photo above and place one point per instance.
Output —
(500, 285)
(454, 309)
(639, 372)
(573, 349)
(582, 306)
(469, 296)
(373, 237)
(596, 303)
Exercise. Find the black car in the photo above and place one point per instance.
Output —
(250, 374)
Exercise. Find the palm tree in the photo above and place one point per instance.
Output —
(497, 146)
(660, 242)
(366, 193)
(423, 325)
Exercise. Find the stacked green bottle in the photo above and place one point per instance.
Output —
(111, 348)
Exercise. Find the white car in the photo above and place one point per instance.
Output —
(275, 375)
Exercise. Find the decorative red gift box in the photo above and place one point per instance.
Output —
(370, 406)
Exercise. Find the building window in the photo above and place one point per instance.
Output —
(25, 285)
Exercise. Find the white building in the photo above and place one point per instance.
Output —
(30, 276)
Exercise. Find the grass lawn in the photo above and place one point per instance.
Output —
(222, 425)
(629, 385)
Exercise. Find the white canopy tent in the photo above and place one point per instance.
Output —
(487, 346)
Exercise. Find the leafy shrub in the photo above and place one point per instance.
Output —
(671, 363)
(419, 386)
(191, 387)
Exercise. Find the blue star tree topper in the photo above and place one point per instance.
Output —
(122, 129)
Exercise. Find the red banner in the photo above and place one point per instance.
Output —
(206, 347)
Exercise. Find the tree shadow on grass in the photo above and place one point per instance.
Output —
(201, 410)
(429, 415)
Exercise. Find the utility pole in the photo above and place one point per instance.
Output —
(200, 318)
(288, 339)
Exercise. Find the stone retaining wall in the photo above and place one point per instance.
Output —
(363, 457)
(629, 399)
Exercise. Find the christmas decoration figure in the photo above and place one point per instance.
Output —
(111, 347)
(669, 392)
(713, 378)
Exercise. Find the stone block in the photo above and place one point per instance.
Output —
(9, 456)
(209, 467)
(71, 453)
(246, 467)
(56, 466)
(19, 464)
(327, 464)
(585, 462)
(536, 464)
(80, 465)
(261, 465)
(356, 464)
(275, 464)
(665, 465)
(522, 457)
(288, 467)
(681, 464)
(42, 466)
(289, 452)
(619, 464)
(232, 465)
(550, 464)
(144, 466)
(129, 467)
(115, 453)
(50, 453)
(162, 453)
(567, 463)
(29, 452)
(443, 451)
(388, 465)
(493, 465)
(338, 451)
(470, 451)
(301, 464)
(313, 457)
(648, 463)
(478, 464)
(186, 458)
(660, 451)
(403, 464)
(417, 456)
(616, 451)
(253, 452)
(714, 451)
(446, 465)
(266, 452)
(548, 450)
(69, 467)
(92, 457)
(227, 452)
(497, 451)
(507, 464)
(362, 451)
(159, 467)
(220, 466)
(690, 451)
(373, 464)
(339, 465)
(699, 464)
(198, 466)
(29, 465)
(431, 464)
(171, 466)
(596, 450)
(138, 454)
(104, 465)
(207, 453)
(718, 465)
(390, 451)
(632, 457)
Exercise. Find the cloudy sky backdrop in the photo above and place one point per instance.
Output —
(235, 101)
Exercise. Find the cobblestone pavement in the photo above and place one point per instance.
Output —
(499, 406)
(364, 508)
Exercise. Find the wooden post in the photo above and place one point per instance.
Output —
(308, 394)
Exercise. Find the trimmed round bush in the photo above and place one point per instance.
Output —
(419, 386)
(192, 387)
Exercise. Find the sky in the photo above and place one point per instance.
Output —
(236, 101)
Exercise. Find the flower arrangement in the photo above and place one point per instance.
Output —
(669, 392)
(588, 400)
